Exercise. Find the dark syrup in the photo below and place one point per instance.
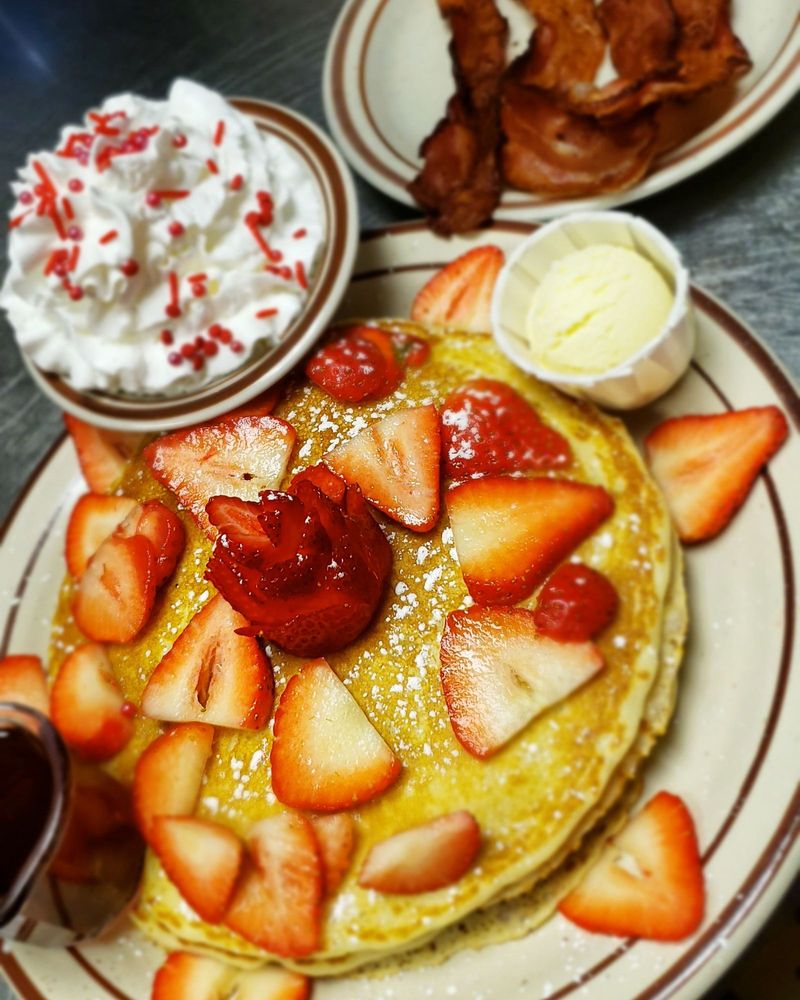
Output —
(26, 792)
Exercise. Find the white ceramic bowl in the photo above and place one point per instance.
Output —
(645, 375)
(328, 285)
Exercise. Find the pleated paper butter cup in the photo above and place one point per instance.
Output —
(646, 374)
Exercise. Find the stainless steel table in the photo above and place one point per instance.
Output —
(736, 223)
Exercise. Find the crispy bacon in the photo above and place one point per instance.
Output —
(642, 35)
(707, 54)
(567, 45)
(553, 152)
(459, 184)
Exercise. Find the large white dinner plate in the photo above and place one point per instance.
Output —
(387, 79)
(732, 752)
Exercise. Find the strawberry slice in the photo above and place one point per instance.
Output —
(489, 428)
(459, 296)
(235, 457)
(163, 529)
(94, 517)
(396, 464)
(23, 682)
(193, 977)
(261, 406)
(322, 477)
(498, 673)
(87, 706)
(202, 859)
(117, 590)
(212, 674)
(510, 533)
(276, 904)
(326, 755)
(336, 837)
(575, 604)
(102, 455)
(169, 774)
(706, 465)
(648, 882)
(423, 858)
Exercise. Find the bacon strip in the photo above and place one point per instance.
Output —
(708, 54)
(642, 35)
(459, 184)
(567, 45)
(553, 152)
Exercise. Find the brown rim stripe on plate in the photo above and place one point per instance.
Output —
(280, 123)
(354, 137)
(775, 852)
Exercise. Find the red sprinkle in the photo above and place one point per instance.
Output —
(300, 271)
(56, 220)
(73, 257)
(75, 233)
(172, 194)
(199, 341)
(174, 358)
(286, 273)
(55, 259)
(128, 709)
(26, 198)
(176, 229)
(298, 234)
(75, 293)
(66, 204)
(198, 290)
(215, 331)
(75, 185)
(153, 199)
(237, 346)
(265, 313)
(167, 338)
(188, 350)
(173, 310)
(197, 362)
(225, 336)
(219, 135)
(129, 268)
(179, 140)
(212, 166)
(237, 182)
(198, 277)
(112, 234)
(48, 185)
(209, 348)
(19, 219)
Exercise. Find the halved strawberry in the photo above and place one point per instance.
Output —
(706, 465)
(86, 704)
(117, 590)
(212, 674)
(575, 604)
(396, 464)
(276, 904)
(94, 517)
(157, 523)
(358, 365)
(235, 457)
(459, 295)
(648, 882)
(336, 836)
(169, 774)
(192, 977)
(423, 858)
(201, 858)
(23, 682)
(498, 673)
(489, 428)
(510, 533)
(103, 455)
(326, 754)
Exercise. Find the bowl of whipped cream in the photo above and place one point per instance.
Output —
(171, 259)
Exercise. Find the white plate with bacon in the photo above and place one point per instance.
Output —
(388, 78)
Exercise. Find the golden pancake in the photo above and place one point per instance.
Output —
(539, 799)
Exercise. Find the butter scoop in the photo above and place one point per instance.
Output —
(597, 304)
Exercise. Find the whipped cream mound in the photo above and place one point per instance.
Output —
(159, 245)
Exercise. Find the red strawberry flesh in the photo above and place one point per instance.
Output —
(575, 604)
(306, 571)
